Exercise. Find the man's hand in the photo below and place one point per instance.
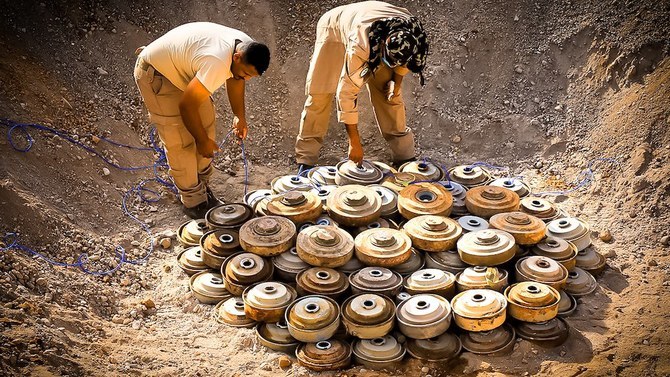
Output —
(207, 148)
(240, 127)
(391, 90)
(356, 152)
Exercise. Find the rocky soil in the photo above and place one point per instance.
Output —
(542, 87)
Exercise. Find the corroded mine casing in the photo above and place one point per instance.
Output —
(398, 181)
(190, 232)
(288, 264)
(482, 277)
(351, 266)
(551, 333)
(580, 283)
(252, 198)
(266, 302)
(190, 261)
(563, 252)
(349, 173)
(383, 247)
(486, 201)
(378, 353)
(532, 301)
(571, 229)
(389, 200)
(376, 280)
(322, 192)
(441, 283)
(446, 260)
(275, 336)
(368, 315)
(542, 270)
(354, 205)
(231, 312)
(526, 229)
(400, 297)
(313, 318)
(515, 184)
(415, 262)
(540, 208)
(287, 183)
(424, 199)
(208, 287)
(324, 355)
(324, 219)
(426, 169)
(217, 245)
(424, 316)
(323, 175)
(268, 235)
(479, 309)
(488, 247)
(296, 206)
(469, 176)
(441, 348)
(433, 233)
(241, 270)
(496, 342)
(386, 169)
(379, 223)
(591, 261)
(471, 223)
(322, 281)
(567, 305)
(228, 216)
(457, 192)
(325, 246)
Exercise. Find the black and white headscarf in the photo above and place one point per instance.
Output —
(407, 43)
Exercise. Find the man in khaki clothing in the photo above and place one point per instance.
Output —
(176, 75)
(370, 43)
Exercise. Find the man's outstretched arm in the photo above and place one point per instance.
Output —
(194, 97)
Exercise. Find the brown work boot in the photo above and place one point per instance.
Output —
(197, 212)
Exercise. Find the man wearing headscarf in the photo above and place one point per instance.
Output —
(370, 43)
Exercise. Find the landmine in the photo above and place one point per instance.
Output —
(363, 283)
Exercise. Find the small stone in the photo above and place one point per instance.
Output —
(645, 342)
(610, 254)
(106, 172)
(518, 69)
(652, 263)
(266, 366)
(135, 243)
(125, 282)
(516, 18)
(538, 165)
(136, 325)
(149, 303)
(425, 370)
(102, 72)
(558, 107)
(605, 236)
(284, 362)
(563, 353)
(632, 215)
(166, 243)
(665, 240)
(456, 139)
(95, 139)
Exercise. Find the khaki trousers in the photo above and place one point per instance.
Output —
(390, 115)
(189, 170)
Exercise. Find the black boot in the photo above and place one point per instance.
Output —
(302, 168)
(396, 164)
(212, 200)
(197, 212)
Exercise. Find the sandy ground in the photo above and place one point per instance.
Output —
(541, 87)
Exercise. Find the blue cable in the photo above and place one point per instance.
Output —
(140, 190)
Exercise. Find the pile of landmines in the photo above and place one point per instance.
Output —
(376, 263)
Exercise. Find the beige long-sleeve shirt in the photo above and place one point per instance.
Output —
(348, 25)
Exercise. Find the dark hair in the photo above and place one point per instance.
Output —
(256, 54)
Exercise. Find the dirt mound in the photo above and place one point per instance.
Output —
(541, 87)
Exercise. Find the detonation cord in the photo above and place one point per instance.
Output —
(10, 240)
